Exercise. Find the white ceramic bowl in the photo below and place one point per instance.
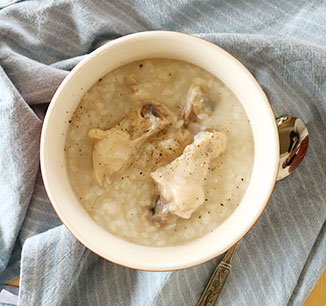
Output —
(159, 44)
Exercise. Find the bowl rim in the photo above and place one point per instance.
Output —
(75, 70)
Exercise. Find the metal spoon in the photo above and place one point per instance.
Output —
(294, 141)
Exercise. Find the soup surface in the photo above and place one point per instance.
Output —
(159, 152)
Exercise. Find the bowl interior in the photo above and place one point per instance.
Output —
(159, 45)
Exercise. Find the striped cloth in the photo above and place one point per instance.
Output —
(282, 44)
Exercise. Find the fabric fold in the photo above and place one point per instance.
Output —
(18, 164)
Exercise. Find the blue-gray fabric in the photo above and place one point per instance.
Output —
(282, 43)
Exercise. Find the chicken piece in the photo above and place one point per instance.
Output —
(180, 183)
(198, 102)
(114, 149)
(168, 146)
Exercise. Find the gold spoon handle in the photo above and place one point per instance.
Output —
(218, 279)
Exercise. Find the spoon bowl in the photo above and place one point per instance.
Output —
(294, 141)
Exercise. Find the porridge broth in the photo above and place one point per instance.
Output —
(122, 207)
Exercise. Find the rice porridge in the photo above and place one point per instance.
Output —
(159, 152)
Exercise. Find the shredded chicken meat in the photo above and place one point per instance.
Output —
(198, 102)
(114, 149)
